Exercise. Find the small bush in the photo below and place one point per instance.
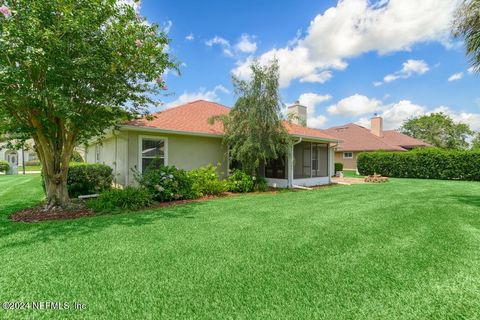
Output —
(260, 184)
(32, 163)
(130, 198)
(338, 166)
(428, 163)
(85, 179)
(4, 166)
(240, 182)
(206, 181)
(167, 183)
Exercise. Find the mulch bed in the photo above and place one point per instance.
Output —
(38, 214)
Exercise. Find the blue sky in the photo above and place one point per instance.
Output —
(345, 60)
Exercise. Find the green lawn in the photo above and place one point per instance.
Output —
(408, 249)
(351, 174)
(30, 168)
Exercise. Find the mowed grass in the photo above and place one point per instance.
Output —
(408, 249)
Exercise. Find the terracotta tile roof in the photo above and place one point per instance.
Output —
(358, 138)
(403, 140)
(193, 118)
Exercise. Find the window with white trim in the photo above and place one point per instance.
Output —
(348, 155)
(152, 152)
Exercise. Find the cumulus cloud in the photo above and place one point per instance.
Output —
(354, 27)
(456, 77)
(246, 44)
(395, 114)
(312, 100)
(316, 122)
(471, 70)
(410, 68)
(355, 105)
(167, 26)
(190, 37)
(201, 94)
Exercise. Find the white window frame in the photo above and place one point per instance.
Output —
(140, 140)
(98, 153)
(345, 157)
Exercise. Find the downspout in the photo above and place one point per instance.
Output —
(290, 164)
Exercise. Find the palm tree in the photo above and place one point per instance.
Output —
(467, 27)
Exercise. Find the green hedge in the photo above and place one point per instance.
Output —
(4, 166)
(338, 166)
(85, 179)
(422, 164)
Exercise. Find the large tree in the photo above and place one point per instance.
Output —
(70, 69)
(439, 130)
(467, 26)
(254, 129)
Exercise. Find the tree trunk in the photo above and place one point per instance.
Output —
(57, 192)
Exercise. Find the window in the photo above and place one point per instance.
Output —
(97, 153)
(152, 152)
(276, 169)
(348, 155)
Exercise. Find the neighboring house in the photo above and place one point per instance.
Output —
(358, 139)
(16, 157)
(182, 137)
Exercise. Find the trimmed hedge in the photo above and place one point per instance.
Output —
(422, 164)
(338, 166)
(85, 179)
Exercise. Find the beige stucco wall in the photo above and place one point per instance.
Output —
(121, 152)
(348, 164)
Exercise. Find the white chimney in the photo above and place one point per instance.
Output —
(377, 126)
(298, 114)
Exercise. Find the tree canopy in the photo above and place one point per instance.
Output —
(467, 27)
(254, 129)
(70, 69)
(439, 130)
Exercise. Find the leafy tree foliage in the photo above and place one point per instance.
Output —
(475, 145)
(439, 130)
(70, 69)
(467, 26)
(254, 129)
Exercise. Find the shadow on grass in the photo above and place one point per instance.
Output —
(469, 200)
(18, 234)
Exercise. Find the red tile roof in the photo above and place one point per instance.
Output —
(193, 118)
(358, 138)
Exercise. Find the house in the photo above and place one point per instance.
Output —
(17, 157)
(356, 139)
(181, 136)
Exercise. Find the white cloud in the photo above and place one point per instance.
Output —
(167, 26)
(395, 114)
(410, 68)
(321, 77)
(201, 94)
(136, 4)
(190, 37)
(312, 100)
(456, 77)
(471, 70)
(246, 44)
(355, 27)
(225, 44)
(316, 122)
(355, 105)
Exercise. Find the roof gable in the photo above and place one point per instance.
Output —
(358, 138)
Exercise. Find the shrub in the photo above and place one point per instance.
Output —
(130, 198)
(206, 181)
(338, 166)
(4, 166)
(423, 164)
(84, 179)
(239, 181)
(167, 183)
(32, 163)
(260, 184)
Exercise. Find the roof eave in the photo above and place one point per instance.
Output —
(179, 132)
